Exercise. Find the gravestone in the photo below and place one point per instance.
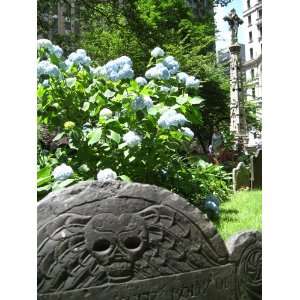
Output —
(128, 241)
(240, 177)
(256, 170)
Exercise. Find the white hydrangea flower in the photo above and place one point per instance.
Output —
(156, 52)
(131, 139)
(70, 81)
(62, 172)
(106, 175)
(171, 118)
(141, 81)
(187, 131)
(106, 113)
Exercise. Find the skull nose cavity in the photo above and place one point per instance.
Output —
(101, 245)
(132, 242)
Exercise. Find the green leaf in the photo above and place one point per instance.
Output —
(41, 91)
(94, 136)
(132, 158)
(61, 184)
(44, 176)
(196, 100)
(182, 99)
(125, 178)
(114, 136)
(58, 136)
(92, 99)
(108, 93)
(86, 106)
(121, 146)
(126, 153)
(84, 168)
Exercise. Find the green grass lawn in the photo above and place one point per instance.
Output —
(242, 212)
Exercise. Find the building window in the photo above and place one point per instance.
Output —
(260, 14)
(249, 21)
(253, 92)
(248, 3)
(252, 74)
(250, 36)
(251, 53)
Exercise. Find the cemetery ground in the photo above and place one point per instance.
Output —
(242, 212)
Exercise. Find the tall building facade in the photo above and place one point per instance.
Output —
(252, 67)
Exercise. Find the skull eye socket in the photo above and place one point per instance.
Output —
(132, 242)
(101, 245)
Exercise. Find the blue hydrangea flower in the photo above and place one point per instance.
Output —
(158, 72)
(156, 52)
(182, 76)
(132, 139)
(62, 172)
(192, 82)
(171, 118)
(120, 68)
(141, 81)
(44, 43)
(106, 175)
(45, 83)
(45, 67)
(106, 113)
(164, 89)
(187, 131)
(57, 51)
(79, 58)
(142, 102)
(171, 64)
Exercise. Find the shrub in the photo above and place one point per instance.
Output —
(97, 118)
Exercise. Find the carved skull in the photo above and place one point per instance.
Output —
(116, 242)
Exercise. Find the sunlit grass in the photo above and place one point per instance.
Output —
(242, 212)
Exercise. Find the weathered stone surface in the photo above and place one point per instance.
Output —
(245, 250)
(240, 177)
(129, 241)
(256, 170)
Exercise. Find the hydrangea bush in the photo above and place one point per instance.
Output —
(104, 122)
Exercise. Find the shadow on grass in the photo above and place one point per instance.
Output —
(229, 215)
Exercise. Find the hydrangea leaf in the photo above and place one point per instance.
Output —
(182, 99)
(125, 178)
(58, 136)
(114, 136)
(108, 93)
(94, 136)
(196, 100)
(86, 106)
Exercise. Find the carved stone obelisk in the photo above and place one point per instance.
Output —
(238, 124)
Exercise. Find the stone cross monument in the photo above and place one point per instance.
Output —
(238, 124)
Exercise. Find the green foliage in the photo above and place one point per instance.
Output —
(74, 131)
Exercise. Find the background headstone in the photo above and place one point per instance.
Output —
(256, 170)
(240, 177)
(129, 241)
(245, 250)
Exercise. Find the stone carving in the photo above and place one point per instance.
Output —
(234, 22)
(116, 240)
(256, 170)
(245, 251)
(240, 177)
